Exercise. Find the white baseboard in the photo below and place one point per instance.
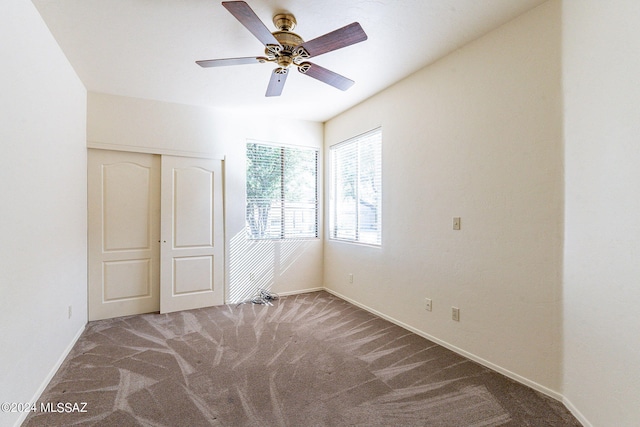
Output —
(49, 377)
(305, 291)
(542, 389)
(576, 413)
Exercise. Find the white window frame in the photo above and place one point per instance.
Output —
(285, 233)
(356, 225)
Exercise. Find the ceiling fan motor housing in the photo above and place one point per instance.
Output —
(289, 41)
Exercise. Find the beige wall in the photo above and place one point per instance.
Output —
(43, 205)
(601, 64)
(477, 135)
(288, 266)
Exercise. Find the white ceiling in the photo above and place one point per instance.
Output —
(147, 48)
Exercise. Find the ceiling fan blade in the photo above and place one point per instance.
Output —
(227, 61)
(276, 84)
(342, 37)
(325, 76)
(250, 20)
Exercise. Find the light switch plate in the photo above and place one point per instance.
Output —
(456, 223)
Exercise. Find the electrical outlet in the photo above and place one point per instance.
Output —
(455, 314)
(427, 304)
(350, 277)
(70, 311)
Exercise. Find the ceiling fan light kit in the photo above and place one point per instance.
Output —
(286, 48)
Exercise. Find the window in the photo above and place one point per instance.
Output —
(355, 199)
(282, 192)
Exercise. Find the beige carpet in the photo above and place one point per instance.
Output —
(309, 360)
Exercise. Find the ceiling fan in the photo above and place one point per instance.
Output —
(285, 48)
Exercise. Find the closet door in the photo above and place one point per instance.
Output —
(123, 235)
(192, 229)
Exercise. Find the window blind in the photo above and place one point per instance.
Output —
(355, 200)
(282, 192)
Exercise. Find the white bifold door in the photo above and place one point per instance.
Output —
(156, 240)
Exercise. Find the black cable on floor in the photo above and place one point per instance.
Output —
(263, 297)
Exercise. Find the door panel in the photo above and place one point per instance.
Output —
(124, 223)
(192, 274)
(126, 191)
(193, 207)
(126, 279)
(192, 256)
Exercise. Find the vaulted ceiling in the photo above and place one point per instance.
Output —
(148, 48)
